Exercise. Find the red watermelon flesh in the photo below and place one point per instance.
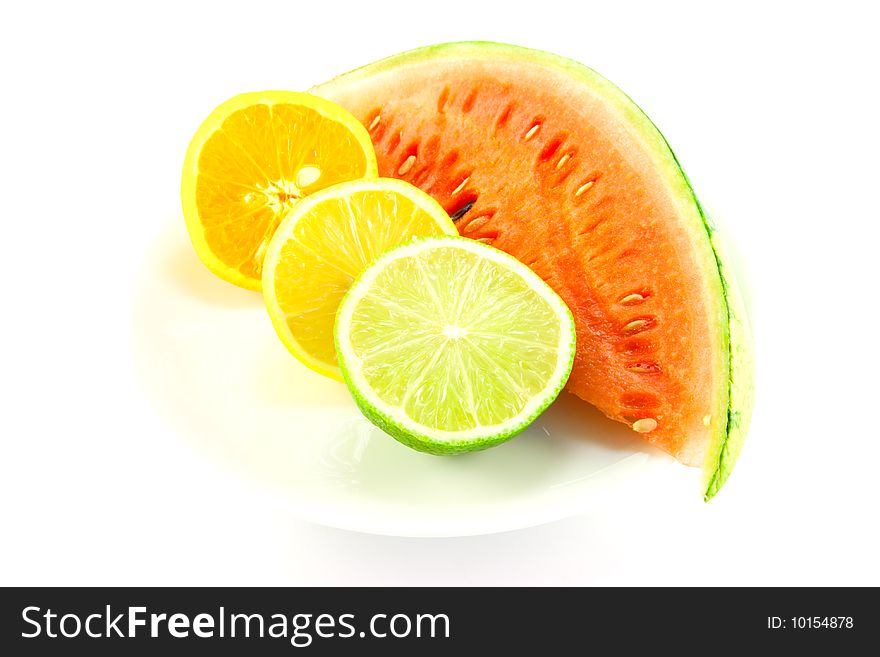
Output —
(543, 158)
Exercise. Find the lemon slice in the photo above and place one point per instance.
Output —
(451, 346)
(324, 244)
(251, 161)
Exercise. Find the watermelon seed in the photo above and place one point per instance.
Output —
(639, 325)
(407, 165)
(584, 187)
(486, 240)
(562, 160)
(534, 129)
(375, 122)
(463, 210)
(706, 420)
(645, 425)
(476, 223)
(631, 299)
(461, 187)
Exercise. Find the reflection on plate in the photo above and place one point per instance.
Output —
(211, 364)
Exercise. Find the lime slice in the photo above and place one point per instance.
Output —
(451, 346)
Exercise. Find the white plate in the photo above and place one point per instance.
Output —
(210, 362)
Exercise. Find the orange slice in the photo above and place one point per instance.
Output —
(251, 161)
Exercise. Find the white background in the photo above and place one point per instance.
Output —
(772, 108)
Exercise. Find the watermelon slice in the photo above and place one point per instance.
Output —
(543, 158)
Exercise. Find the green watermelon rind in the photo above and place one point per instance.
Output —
(725, 450)
(741, 396)
(727, 444)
